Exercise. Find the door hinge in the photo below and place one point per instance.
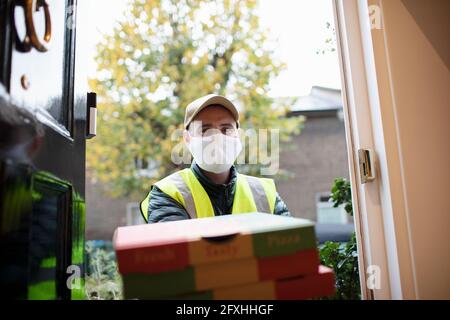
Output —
(366, 165)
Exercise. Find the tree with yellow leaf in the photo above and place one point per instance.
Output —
(161, 56)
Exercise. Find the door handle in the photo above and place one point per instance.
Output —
(31, 38)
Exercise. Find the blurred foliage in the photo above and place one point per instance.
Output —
(103, 281)
(343, 257)
(159, 57)
(341, 194)
(330, 44)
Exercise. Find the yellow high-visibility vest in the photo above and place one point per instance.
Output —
(252, 194)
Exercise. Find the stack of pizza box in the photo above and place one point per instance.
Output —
(252, 256)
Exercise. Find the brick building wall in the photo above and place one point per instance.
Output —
(320, 156)
(103, 213)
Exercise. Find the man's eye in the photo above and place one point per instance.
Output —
(229, 132)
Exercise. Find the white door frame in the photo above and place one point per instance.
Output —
(383, 238)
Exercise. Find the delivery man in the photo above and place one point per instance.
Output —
(211, 186)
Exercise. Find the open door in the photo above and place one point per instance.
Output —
(349, 19)
(395, 72)
(42, 149)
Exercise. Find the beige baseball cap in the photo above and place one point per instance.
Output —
(199, 104)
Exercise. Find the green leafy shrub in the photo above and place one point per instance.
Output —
(341, 194)
(342, 257)
(103, 281)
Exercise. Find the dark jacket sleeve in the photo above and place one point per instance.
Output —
(280, 207)
(162, 207)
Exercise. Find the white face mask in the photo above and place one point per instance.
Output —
(215, 153)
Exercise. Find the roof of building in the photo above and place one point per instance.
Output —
(319, 99)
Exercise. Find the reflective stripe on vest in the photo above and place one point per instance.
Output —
(252, 194)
